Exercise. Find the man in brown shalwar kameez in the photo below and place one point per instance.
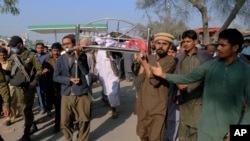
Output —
(151, 104)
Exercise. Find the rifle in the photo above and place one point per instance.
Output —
(19, 66)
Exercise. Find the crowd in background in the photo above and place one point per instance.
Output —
(171, 107)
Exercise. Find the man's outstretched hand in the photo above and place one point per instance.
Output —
(157, 70)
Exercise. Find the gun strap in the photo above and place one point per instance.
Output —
(13, 70)
(24, 57)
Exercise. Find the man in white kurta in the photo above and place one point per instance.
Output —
(110, 82)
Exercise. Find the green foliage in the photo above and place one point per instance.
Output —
(223, 8)
(218, 10)
(167, 21)
(9, 6)
(221, 11)
(168, 25)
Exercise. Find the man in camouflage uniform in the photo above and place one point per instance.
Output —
(5, 94)
(25, 91)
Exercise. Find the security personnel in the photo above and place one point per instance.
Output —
(26, 91)
(5, 94)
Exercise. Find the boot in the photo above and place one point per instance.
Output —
(26, 135)
(33, 128)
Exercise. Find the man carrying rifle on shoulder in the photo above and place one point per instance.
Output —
(25, 73)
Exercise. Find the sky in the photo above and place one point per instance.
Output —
(47, 12)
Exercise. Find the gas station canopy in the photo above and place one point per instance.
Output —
(67, 28)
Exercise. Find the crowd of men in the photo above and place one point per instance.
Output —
(184, 93)
(198, 93)
(225, 84)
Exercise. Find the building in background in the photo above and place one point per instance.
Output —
(213, 30)
(28, 43)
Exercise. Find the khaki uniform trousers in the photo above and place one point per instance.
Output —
(26, 98)
(13, 104)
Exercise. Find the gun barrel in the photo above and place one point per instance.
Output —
(21, 67)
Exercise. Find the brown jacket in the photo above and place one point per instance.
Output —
(154, 90)
(52, 87)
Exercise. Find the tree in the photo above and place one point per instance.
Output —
(165, 22)
(239, 8)
(170, 26)
(9, 6)
(223, 10)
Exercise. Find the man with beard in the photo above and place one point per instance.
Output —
(151, 104)
(226, 87)
(189, 95)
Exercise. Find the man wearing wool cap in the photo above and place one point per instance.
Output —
(151, 104)
(164, 36)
